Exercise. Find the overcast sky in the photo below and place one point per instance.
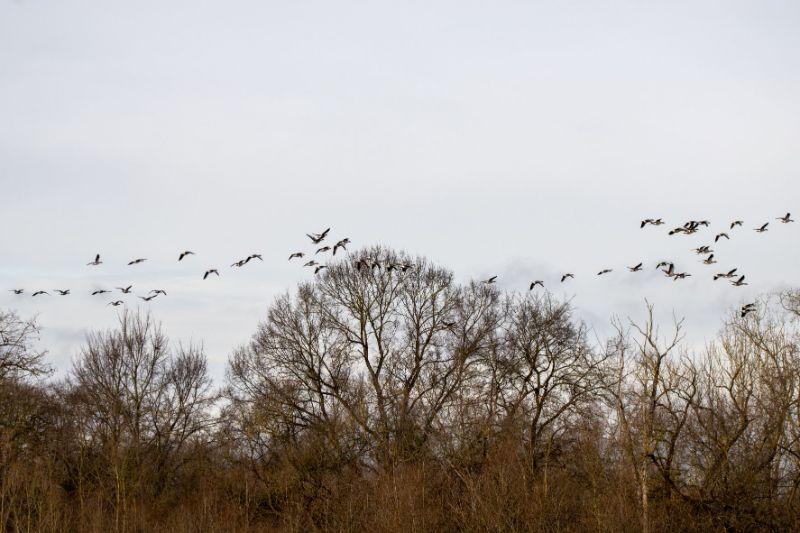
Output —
(524, 139)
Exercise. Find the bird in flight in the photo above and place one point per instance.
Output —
(341, 244)
(317, 238)
(535, 283)
(709, 260)
(126, 290)
(96, 261)
(158, 291)
(209, 272)
(605, 271)
(739, 282)
(254, 256)
(786, 219)
(148, 298)
(680, 275)
(728, 274)
(311, 263)
(239, 263)
(491, 280)
(323, 249)
(763, 228)
(320, 267)
(737, 223)
(64, 292)
(670, 271)
(703, 250)
(636, 268)
(720, 236)
(565, 276)
(17, 291)
(653, 221)
(116, 303)
(296, 254)
(37, 293)
(748, 308)
(137, 261)
(99, 291)
(184, 254)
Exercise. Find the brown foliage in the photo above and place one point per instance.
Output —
(380, 400)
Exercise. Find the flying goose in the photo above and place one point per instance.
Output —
(662, 264)
(63, 292)
(158, 291)
(703, 250)
(762, 229)
(669, 272)
(696, 224)
(317, 238)
(491, 280)
(209, 272)
(311, 263)
(709, 260)
(148, 298)
(126, 290)
(116, 303)
(17, 291)
(239, 263)
(341, 244)
(323, 249)
(37, 293)
(254, 256)
(737, 223)
(535, 283)
(96, 261)
(728, 274)
(680, 275)
(636, 268)
(748, 308)
(721, 235)
(99, 291)
(137, 261)
(296, 254)
(320, 267)
(739, 282)
(184, 254)
(786, 219)
(605, 271)
(565, 276)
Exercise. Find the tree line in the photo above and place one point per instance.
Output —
(380, 401)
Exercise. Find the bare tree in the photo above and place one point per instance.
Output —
(387, 349)
(18, 357)
(140, 404)
(649, 411)
(545, 370)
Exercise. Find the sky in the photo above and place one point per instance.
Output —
(523, 139)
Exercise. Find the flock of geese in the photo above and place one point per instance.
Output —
(316, 238)
(736, 278)
(668, 267)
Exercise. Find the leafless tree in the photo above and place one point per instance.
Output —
(139, 405)
(18, 357)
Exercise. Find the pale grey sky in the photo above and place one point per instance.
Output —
(518, 138)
